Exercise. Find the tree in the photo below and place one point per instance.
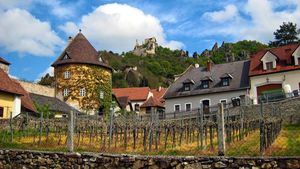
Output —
(47, 80)
(286, 34)
(195, 55)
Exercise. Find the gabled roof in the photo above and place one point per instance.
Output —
(123, 101)
(133, 93)
(80, 51)
(26, 101)
(152, 102)
(159, 93)
(239, 70)
(208, 78)
(284, 62)
(8, 85)
(189, 81)
(55, 105)
(4, 61)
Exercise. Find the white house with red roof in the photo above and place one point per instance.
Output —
(274, 71)
(135, 97)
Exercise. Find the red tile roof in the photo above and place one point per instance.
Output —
(134, 93)
(13, 86)
(80, 50)
(152, 102)
(159, 93)
(4, 61)
(284, 62)
(26, 100)
(8, 85)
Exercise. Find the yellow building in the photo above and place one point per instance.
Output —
(10, 94)
(82, 79)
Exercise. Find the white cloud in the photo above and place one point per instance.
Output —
(262, 19)
(8, 4)
(229, 12)
(117, 26)
(60, 10)
(23, 33)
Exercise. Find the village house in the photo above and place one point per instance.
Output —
(82, 79)
(206, 86)
(275, 71)
(13, 98)
(133, 98)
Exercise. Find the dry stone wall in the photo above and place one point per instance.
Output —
(43, 160)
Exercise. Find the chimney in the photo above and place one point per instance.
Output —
(70, 39)
(209, 65)
(4, 65)
(196, 65)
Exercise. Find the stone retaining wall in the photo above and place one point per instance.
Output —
(37, 89)
(42, 160)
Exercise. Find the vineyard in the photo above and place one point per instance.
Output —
(221, 130)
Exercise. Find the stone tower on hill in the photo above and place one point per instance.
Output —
(147, 48)
(82, 79)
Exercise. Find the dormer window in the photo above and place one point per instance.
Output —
(187, 84)
(66, 56)
(269, 65)
(269, 61)
(67, 74)
(225, 81)
(187, 87)
(205, 84)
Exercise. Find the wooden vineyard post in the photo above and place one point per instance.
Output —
(242, 124)
(11, 128)
(221, 131)
(41, 128)
(110, 126)
(70, 142)
(262, 129)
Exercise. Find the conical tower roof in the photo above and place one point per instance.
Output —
(80, 51)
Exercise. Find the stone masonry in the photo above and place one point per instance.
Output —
(42, 160)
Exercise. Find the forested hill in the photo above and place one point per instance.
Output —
(159, 69)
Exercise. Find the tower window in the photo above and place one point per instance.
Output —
(101, 94)
(66, 92)
(82, 92)
(67, 74)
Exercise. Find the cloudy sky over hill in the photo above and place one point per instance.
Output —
(34, 32)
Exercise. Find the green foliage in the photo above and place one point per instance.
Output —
(45, 109)
(286, 34)
(159, 69)
(47, 80)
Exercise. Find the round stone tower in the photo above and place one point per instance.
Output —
(82, 79)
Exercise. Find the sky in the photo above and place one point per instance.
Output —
(35, 32)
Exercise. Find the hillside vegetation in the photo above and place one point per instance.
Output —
(159, 69)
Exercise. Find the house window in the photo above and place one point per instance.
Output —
(1, 111)
(66, 57)
(66, 92)
(225, 81)
(188, 107)
(224, 101)
(187, 87)
(101, 94)
(205, 84)
(177, 108)
(137, 107)
(298, 60)
(67, 74)
(269, 65)
(82, 92)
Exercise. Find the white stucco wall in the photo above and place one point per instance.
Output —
(214, 98)
(296, 55)
(17, 106)
(291, 78)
